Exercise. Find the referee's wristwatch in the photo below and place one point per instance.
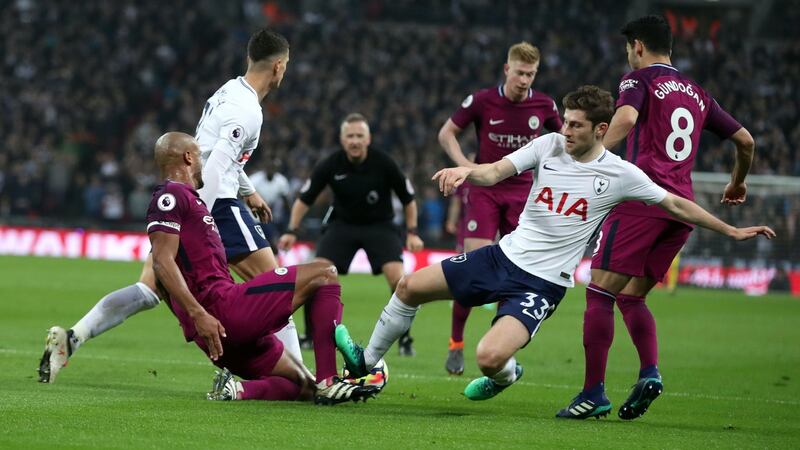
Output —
(412, 231)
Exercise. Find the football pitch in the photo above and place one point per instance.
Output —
(731, 367)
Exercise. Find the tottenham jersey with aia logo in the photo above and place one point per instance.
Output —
(567, 203)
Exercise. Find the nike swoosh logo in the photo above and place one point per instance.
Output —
(544, 166)
(198, 202)
(340, 177)
(496, 122)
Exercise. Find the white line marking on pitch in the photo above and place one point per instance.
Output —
(420, 377)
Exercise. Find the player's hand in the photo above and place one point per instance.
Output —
(212, 332)
(743, 234)
(286, 241)
(734, 194)
(259, 207)
(414, 243)
(451, 178)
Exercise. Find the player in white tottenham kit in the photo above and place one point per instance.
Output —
(577, 183)
(506, 117)
(227, 132)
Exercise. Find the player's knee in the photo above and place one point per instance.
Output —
(491, 359)
(328, 274)
(404, 287)
(490, 362)
(148, 297)
(332, 275)
(630, 302)
(325, 267)
(323, 272)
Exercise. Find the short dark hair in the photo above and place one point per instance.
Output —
(653, 31)
(265, 44)
(598, 104)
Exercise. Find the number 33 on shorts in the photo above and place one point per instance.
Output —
(536, 306)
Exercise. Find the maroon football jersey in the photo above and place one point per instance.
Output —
(177, 209)
(673, 111)
(503, 126)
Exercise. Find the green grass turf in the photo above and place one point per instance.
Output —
(731, 367)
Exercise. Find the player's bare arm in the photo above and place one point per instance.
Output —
(448, 139)
(481, 175)
(165, 249)
(453, 213)
(621, 124)
(299, 210)
(689, 211)
(413, 242)
(736, 191)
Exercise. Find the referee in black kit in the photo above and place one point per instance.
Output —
(362, 181)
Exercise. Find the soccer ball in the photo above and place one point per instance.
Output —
(376, 377)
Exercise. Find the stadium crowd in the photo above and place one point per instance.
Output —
(87, 87)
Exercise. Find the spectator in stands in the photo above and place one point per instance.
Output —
(106, 79)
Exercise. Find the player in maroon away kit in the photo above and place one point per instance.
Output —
(662, 113)
(506, 117)
(234, 324)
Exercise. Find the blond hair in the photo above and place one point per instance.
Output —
(523, 52)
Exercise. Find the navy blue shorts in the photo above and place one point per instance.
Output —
(486, 275)
(239, 232)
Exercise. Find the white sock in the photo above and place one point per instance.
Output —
(508, 374)
(237, 395)
(291, 343)
(395, 320)
(112, 310)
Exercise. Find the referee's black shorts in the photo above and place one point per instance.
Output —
(340, 242)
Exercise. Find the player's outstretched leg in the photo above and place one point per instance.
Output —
(495, 353)
(592, 403)
(395, 320)
(353, 353)
(394, 273)
(647, 389)
(110, 311)
(57, 351)
(484, 388)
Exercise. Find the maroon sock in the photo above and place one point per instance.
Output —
(641, 326)
(598, 333)
(270, 388)
(460, 314)
(325, 309)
